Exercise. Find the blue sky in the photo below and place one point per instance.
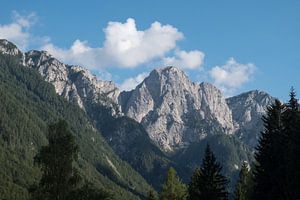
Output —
(237, 45)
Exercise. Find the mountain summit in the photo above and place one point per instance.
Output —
(176, 111)
(165, 113)
(75, 83)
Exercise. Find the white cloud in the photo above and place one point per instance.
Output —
(131, 83)
(26, 21)
(232, 75)
(185, 60)
(125, 46)
(18, 31)
(78, 54)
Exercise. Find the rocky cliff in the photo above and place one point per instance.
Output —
(247, 111)
(74, 83)
(176, 111)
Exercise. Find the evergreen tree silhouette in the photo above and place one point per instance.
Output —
(207, 182)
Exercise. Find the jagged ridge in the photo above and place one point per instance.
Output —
(174, 111)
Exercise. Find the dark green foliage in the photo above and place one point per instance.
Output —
(228, 150)
(89, 192)
(28, 105)
(270, 170)
(131, 142)
(276, 173)
(173, 188)
(292, 152)
(59, 178)
(242, 186)
(152, 195)
(208, 183)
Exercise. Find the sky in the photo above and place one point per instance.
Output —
(236, 45)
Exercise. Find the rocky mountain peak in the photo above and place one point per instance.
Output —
(170, 72)
(76, 84)
(7, 47)
(169, 75)
(176, 111)
(248, 109)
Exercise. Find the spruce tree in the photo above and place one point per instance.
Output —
(292, 152)
(241, 189)
(59, 178)
(173, 188)
(270, 168)
(208, 183)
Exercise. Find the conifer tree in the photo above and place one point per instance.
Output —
(241, 189)
(173, 188)
(59, 178)
(270, 168)
(208, 183)
(292, 152)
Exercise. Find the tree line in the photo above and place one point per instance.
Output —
(60, 179)
(274, 175)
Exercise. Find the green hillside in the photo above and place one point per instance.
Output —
(131, 142)
(27, 105)
(229, 151)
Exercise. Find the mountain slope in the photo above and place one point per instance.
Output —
(98, 99)
(175, 111)
(229, 151)
(74, 83)
(165, 121)
(247, 111)
(28, 104)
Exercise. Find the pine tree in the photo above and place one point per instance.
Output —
(59, 178)
(292, 153)
(173, 188)
(208, 183)
(293, 102)
(241, 190)
(270, 168)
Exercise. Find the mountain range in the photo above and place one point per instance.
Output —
(164, 121)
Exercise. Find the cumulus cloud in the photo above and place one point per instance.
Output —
(78, 54)
(124, 46)
(132, 82)
(18, 31)
(232, 75)
(185, 60)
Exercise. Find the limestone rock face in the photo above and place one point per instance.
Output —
(173, 110)
(247, 111)
(74, 83)
(7, 47)
(176, 111)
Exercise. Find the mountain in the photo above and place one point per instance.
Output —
(98, 100)
(247, 111)
(28, 105)
(74, 83)
(175, 111)
(165, 121)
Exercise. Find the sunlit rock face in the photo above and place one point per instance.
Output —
(176, 111)
(247, 111)
(74, 83)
